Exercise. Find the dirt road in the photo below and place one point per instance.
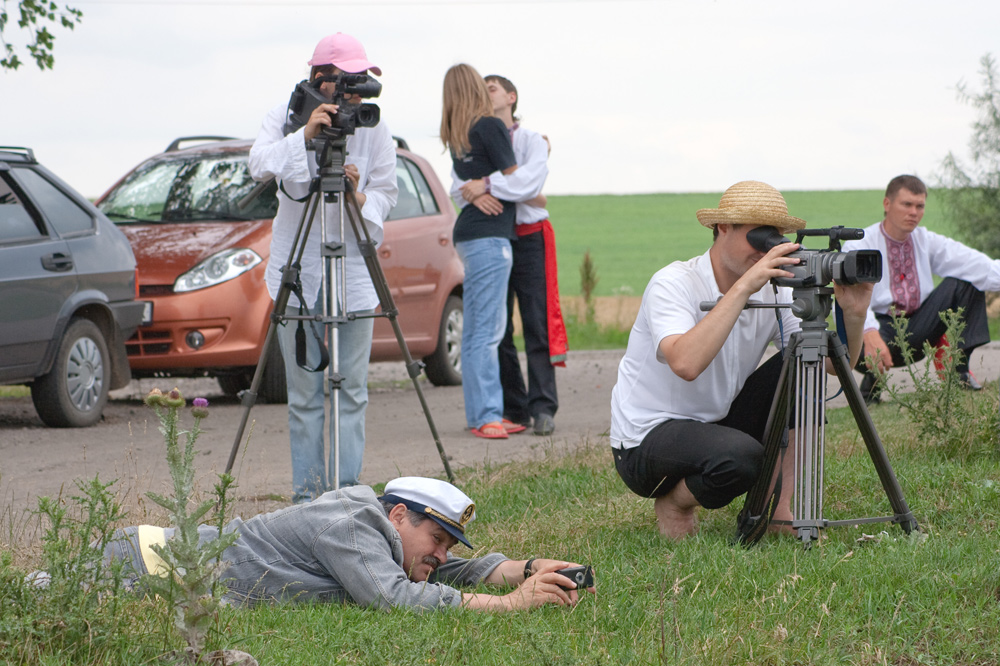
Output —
(127, 445)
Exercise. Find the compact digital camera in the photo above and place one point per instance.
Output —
(583, 576)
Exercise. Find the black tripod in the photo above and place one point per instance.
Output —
(332, 185)
(804, 370)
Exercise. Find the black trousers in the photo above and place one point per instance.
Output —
(925, 324)
(527, 283)
(720, 461)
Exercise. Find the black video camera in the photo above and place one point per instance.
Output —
(307, 96)
(817, 268)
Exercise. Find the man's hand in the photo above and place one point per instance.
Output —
(488, 204)
(853, 300)
(877, 355)
(545, 586)
(351, 171)
(770, 266)
(318, 119)
(473, 189)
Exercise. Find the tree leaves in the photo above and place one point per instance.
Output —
(33, 16)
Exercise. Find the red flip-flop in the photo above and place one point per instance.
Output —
(493, 430)
(513, 428)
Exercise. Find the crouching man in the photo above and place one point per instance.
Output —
(349, 546)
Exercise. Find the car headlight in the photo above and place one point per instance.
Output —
(220, 267)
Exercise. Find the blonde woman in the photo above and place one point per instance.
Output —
(480, 144)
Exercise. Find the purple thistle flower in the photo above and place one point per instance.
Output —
(199, 408)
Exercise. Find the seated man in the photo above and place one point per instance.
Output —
(350, 546)
(911, 257)
(689, 410)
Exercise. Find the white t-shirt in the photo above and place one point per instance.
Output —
(648, 392)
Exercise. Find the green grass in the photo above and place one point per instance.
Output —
(932, 598)
(631, 237)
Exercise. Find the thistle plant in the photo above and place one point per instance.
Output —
(957, 420)
(191, 584)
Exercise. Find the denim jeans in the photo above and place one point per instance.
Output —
(484, 303)
(311, 475)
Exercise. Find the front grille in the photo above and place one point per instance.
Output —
(150, 290)
(148, 342)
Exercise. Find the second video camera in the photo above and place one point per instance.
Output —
(817, 268)
(308, 95)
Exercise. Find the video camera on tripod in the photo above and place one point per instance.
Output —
(802, 389)
(818, 268)
(309, 94)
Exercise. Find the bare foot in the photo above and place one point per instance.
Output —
(782, 529)
(676, 513)
(785, 515)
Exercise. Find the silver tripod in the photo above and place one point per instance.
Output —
(331, 185)
(803, 376)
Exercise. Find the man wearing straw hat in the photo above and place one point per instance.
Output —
(690, 407)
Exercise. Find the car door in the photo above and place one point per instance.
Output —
(416, 249)
(37, 275)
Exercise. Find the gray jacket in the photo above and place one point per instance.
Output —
(340, 547)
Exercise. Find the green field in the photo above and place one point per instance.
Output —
(631, 237)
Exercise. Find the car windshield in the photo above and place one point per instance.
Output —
(193, 188)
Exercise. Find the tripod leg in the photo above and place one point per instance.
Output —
(863, 418)
(760, 503)
(413, 368)
(810, 418)
(289, 278)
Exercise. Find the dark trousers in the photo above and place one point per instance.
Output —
(720, 461)
(527, 283)
(925, 324)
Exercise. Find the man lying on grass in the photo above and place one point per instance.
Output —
(350, 546)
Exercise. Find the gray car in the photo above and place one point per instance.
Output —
(67, 294)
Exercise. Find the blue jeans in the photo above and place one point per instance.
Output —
(484, 303)
(311, 475)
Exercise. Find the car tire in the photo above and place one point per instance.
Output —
(74, 392)
(273, 387)
(444, 366)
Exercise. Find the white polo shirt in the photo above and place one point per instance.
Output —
(648, 392)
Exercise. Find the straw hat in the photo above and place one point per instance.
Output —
(751, 202)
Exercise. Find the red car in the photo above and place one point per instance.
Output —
(201, 260)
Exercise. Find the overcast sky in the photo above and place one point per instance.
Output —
(636, 96)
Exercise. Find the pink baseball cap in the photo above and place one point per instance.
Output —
(344, 52)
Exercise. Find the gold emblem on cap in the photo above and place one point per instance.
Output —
(467, 514)
(440, 516)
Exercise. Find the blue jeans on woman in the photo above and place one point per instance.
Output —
(484, 304)
(311, 477)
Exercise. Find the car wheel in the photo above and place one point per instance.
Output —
(273, 387)
(444, 366)
(74, 392)
(232, 384)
